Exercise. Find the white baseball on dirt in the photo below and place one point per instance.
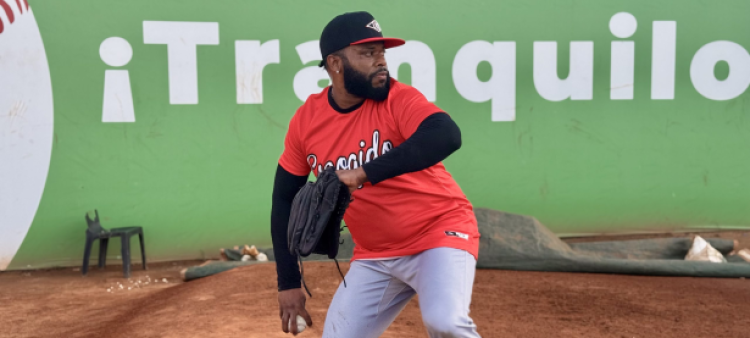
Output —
(301, 324)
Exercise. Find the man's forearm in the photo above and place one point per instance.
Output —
(434, 140)
(285, 187)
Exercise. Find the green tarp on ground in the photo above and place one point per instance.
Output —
(517, 242)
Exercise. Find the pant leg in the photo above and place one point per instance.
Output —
(443, 278)
(368, 304)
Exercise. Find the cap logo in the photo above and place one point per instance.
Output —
(374, 25)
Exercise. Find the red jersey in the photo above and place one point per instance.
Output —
(400, 216)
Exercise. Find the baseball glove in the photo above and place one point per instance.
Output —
(315, 219)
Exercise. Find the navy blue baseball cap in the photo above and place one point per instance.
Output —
(352, 29)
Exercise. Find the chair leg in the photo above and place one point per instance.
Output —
(143, 250)
(126, 256)
(86, 254)
(103, 242)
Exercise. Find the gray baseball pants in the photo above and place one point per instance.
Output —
(377, 291)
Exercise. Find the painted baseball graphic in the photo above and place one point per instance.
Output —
(26, 122)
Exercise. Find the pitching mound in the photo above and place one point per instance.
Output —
(242, 303)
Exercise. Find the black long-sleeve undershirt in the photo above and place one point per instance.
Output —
(434, 140)
(285, 187)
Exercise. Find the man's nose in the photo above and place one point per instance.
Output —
(380, 61)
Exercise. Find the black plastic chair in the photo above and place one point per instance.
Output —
(95, 231)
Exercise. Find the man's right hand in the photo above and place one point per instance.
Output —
(291, 304)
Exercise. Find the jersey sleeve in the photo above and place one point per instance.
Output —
(410, 108)
(293, 159)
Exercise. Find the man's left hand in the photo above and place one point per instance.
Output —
(352, 178)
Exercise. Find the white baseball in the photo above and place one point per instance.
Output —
(261, 257)
(26, 126)
(301, 324)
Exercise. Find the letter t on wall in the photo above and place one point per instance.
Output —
(181, 39)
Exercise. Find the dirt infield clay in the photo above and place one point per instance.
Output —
(242, 303)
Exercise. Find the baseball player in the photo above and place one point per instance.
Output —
(414, 230)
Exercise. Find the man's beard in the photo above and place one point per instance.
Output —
(359, 84)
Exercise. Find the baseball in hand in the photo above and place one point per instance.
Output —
(301, 324)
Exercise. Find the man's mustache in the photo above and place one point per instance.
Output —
(375, 73)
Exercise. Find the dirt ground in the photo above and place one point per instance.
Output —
(242, 303)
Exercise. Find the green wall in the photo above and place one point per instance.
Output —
(199, 177)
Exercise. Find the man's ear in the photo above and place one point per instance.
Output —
(334, 63)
